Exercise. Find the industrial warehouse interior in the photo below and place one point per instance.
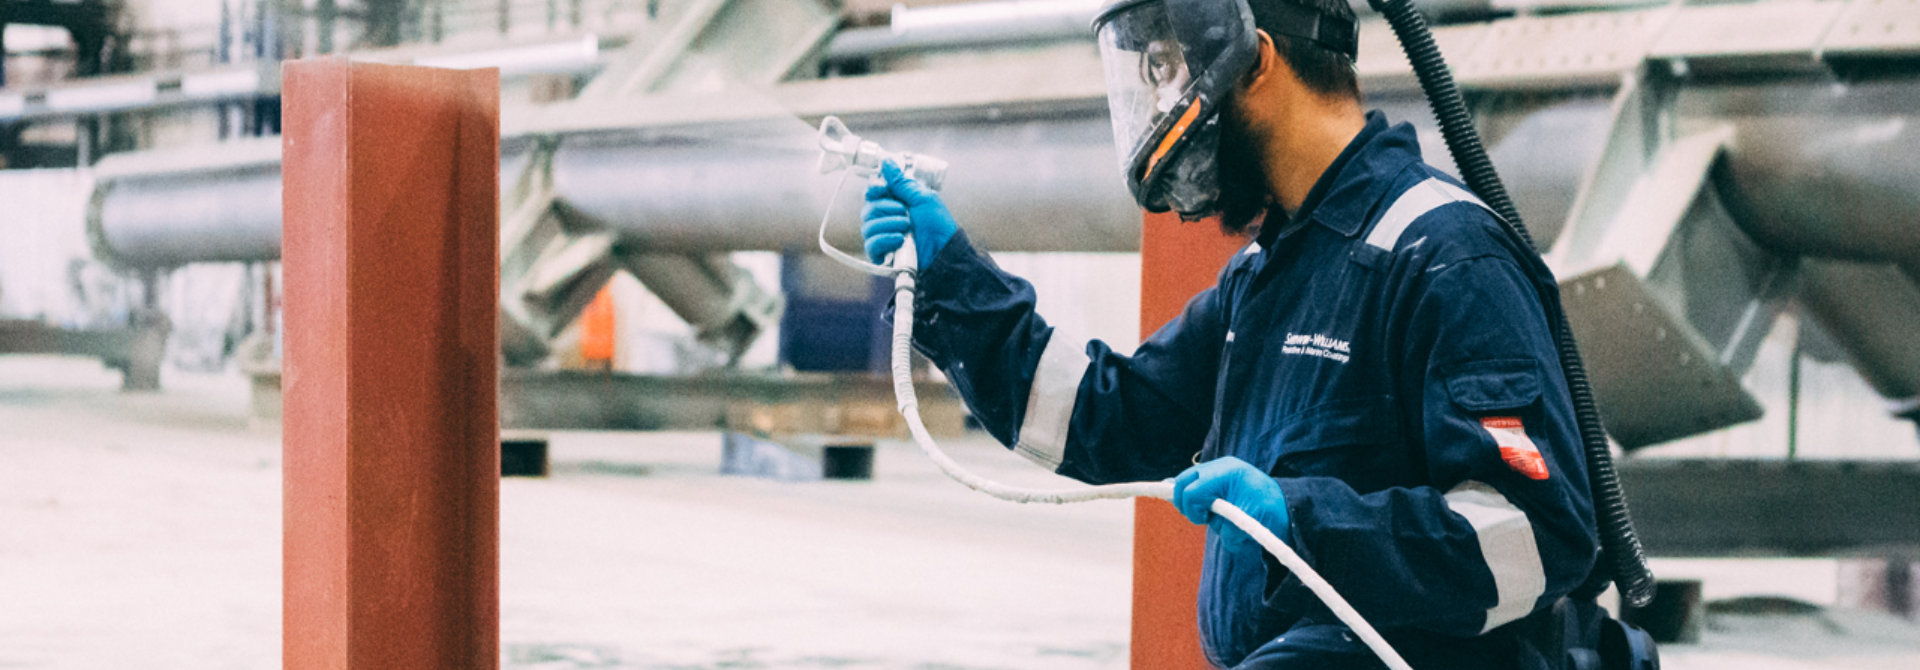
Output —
(506, 334)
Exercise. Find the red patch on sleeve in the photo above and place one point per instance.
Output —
(1516, 448)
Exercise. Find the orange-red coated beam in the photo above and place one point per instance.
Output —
(1177, 261)
(392, 457)
(598, 331)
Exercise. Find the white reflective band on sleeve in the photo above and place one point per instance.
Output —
(1056, 387)
(1506, 541)
(1424, 197)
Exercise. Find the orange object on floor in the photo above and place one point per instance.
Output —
(391, 448)
(597, 330)
(1177, 261)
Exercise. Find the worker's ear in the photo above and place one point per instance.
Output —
(1266, 64)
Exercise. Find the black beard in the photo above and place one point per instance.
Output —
(1242, 176)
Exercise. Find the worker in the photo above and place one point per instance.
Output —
(1373, 378)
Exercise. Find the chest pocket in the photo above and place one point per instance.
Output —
(1354, 439)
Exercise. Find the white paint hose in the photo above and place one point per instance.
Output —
(902, 364)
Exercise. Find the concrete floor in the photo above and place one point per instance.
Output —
(143, 531)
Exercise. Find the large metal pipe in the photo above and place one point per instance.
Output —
(1044, 184)
(1047, 184)
(1544, 146)
(1873, 311)
(205, 204)
(722, 303)
(970, 25)
(1821, 167)
(166, 220)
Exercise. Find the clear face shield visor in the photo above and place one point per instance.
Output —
(1147, 77)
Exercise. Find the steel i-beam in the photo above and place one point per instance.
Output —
(1177, 262)
(392, 458)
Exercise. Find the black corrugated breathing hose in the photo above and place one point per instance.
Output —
(1625, 557)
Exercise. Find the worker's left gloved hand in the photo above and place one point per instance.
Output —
(1237, 482)
(896, 204)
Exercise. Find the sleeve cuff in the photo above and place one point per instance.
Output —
(949, 271)
(958, 280)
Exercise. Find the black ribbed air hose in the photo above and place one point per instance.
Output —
(1625, 557)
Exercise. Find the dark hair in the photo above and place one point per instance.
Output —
(1323, 71)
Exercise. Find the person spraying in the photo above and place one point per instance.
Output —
(1373, 380)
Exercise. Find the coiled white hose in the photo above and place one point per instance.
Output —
(903, 270)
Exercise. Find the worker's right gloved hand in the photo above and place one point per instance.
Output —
(1237, 482)
(896, 204)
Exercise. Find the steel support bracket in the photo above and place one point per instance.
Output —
(1668, 298)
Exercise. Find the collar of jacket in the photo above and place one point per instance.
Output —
(1356, 181)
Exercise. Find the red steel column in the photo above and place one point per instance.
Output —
(392, 456)
(1177, 261)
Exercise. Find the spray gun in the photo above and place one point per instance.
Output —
(841, 150)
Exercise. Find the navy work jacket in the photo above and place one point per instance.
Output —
(1384, 354)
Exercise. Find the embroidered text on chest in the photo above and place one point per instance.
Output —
(1329, 348)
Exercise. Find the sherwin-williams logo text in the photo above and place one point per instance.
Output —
(1338, 351)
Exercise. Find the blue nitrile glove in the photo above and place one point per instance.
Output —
(897, 203)
(1234, 481)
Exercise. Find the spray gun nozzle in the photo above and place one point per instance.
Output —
(839, 147)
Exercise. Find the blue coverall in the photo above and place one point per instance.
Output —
(1384, 354)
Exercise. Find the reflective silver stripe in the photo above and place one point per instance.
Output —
(1506, 541)
(1056, 387)
(1424, 197)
